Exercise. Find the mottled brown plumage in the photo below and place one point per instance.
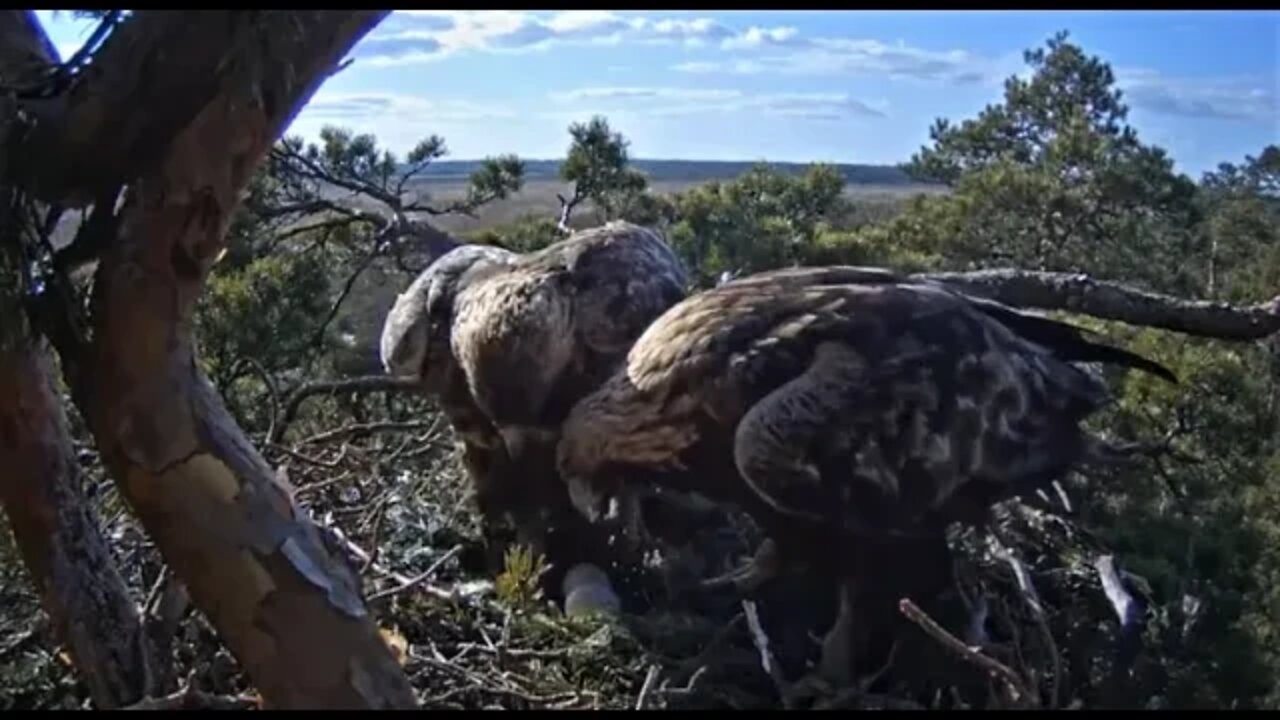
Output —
(848, 410)
(535, 338)
(509, 342)
(416, 342)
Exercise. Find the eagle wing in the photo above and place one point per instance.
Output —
(538, 337)
(623, 276)
(861, 398)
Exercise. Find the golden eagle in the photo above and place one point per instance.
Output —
(509, 342)
(852, 412)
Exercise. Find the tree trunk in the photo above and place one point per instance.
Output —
(68, 560)
(206, 94)
(287, 606)
(57, 535)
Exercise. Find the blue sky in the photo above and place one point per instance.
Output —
(836, 86)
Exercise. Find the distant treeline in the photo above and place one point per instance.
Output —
(677, 171)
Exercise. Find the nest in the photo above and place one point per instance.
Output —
(1029, 625)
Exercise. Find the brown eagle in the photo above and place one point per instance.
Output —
(853, 413)
(509, 342)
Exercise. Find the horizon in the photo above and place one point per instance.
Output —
(844, 88)
(725, 161)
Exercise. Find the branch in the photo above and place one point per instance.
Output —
(566, 209)
(1080, 293)
(347, 287)
(305, 167)
(148, 81)
(1018, 690)
(25, 49)
(365, 384)
(254, 563)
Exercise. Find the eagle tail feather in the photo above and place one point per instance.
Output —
(1070, 342)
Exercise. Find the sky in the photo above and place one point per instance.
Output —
(828, 86)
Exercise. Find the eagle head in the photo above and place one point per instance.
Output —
(578, 464)
(415, 333)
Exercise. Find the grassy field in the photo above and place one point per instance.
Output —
(538, 197)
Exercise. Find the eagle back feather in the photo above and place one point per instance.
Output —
(622, 276)
(554, 325)
(858, 397)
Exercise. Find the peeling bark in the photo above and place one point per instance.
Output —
(363, 384)
(253, 562)
(1079, 293)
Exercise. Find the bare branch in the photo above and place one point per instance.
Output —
(347, 287)
(363, 384)
(365, 428)
(566, 209)
(1017, 689)
(417, 580)
(304, 166)
(1080, 293)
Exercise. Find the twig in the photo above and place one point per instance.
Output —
(153, 595)
(377, 539)
(195, 700)
(649, 679)
(189, 698)
(24, 638)
(761, 641)
(330, 465)
(689, 686)
(967, 653)
(359, 428)
(320, 485)
(1032, 598)
(698, 662)
(422, 577)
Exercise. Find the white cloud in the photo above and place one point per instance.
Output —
(1220, 98)
(843, 56)
(347, 108)
(632, 93)
(756, 37)
(418, 36)
(669, 101)
(400, 121)
(693, 32)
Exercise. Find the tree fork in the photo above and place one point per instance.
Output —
(285, 604)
